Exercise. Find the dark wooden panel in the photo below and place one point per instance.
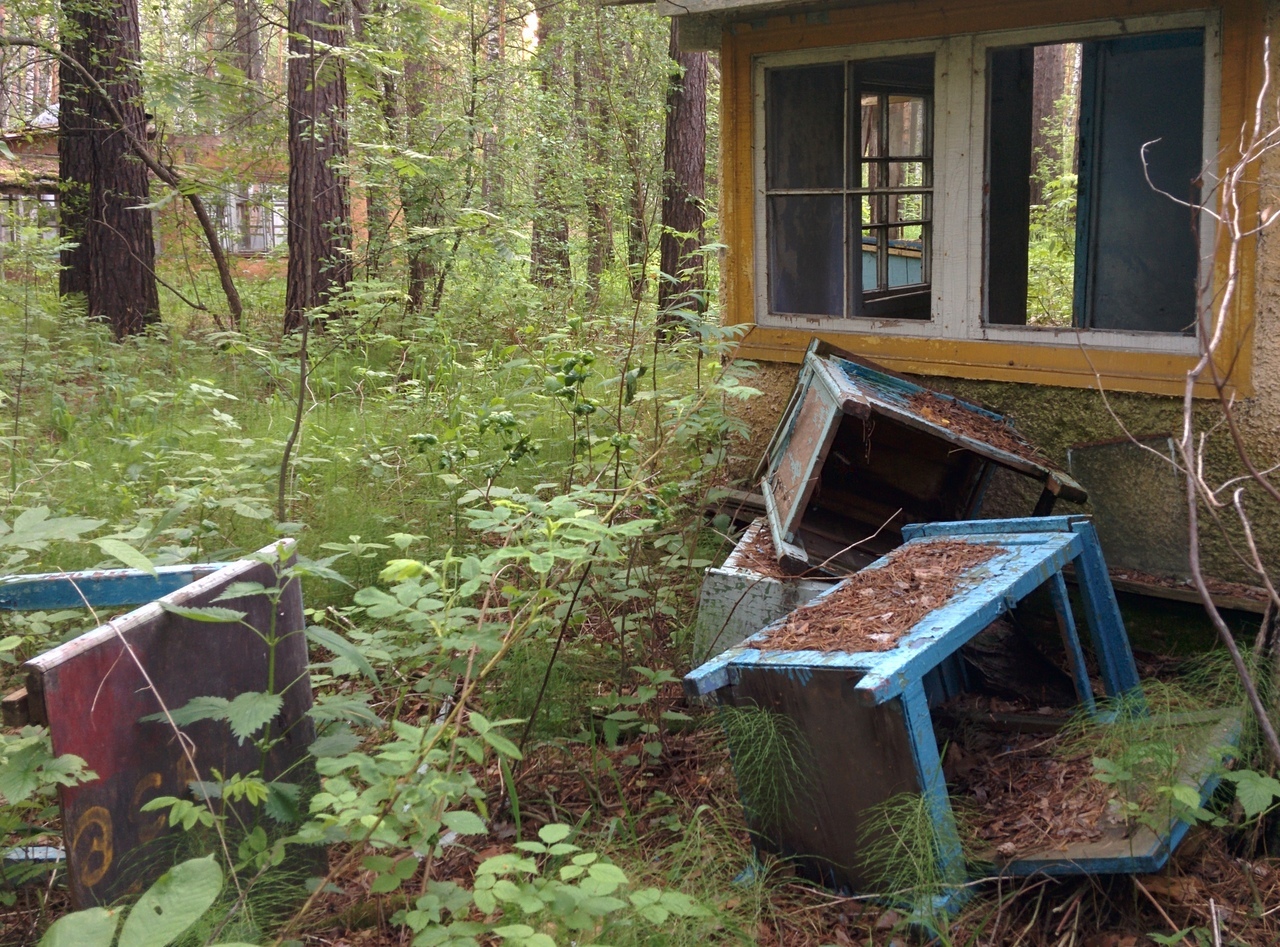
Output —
(1009, 131)
(859, 756)
(92, 693)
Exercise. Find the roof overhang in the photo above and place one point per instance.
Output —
(701, 23)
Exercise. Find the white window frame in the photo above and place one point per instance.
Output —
(958, 309)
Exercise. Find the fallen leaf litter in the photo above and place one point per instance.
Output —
(874, 608)
(757, 554)
(969, 423)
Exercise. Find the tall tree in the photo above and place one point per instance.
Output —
(588, 78)
(105, 184)
(319, 218)
(549, 251)
(684, 170)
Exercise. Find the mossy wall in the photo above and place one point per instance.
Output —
(1057, 419)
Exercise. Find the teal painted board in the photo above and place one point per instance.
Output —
(101, 588)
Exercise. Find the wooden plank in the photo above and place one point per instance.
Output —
(104, 588)
(853, 758)
(933, 784)
(799, 455)
(1102, 614)
(16, 708)
(985, 593)
(1146, 851)
(1191, 596)
(1071, 642)
(93, 694)
(1001, 582)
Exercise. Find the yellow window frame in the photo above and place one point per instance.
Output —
(1242, 23)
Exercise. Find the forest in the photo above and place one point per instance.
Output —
(413, 306)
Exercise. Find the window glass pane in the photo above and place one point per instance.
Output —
(907, 174)
(806, 255)
(804, 125)
(870, 260)
(874, 209)
(905, 257)
(871, 111)
(1141, 260)
(906, 126)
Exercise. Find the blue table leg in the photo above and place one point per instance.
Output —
(1071, 641)
(933, 785)
(1102, 613)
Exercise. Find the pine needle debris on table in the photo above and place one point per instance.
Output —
(873, 609)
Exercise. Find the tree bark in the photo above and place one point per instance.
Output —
(1047, 85)
(684, 181)
(590, 113)
(319, 218)
(549, 250)
(104, 181)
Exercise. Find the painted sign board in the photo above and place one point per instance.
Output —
(94, 692)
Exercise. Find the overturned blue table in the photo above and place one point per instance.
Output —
(867, 716)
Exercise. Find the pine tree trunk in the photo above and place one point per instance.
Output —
(103, 181)
(589, 111)
(249, 56)
(684, 177)
(319, 219)
(1048, 84)
(549, 251)
(492, 184)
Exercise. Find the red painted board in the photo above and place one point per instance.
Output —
(93, 691)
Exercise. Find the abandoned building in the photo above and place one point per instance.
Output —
(1018, 201)
(250, 213)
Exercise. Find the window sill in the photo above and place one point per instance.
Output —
(1069, 366)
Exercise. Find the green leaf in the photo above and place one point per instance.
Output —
(118, 549)
(332, 641)
(282, 802)
(1255, 791)
(198, 708)
(1187, 795)
(252, 711)
(398, 570)
(554, 832)
(211, 613)
(465, 823)
(94, 927)
(171, 905)
(34, 527)
(339, 743)
(350, 707)
(20, 772)
(682, 905)
(241, 590)
(1171, 940)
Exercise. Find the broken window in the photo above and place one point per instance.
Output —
(25, 216)
(252, 219)
(849, 188)
(1076, 234)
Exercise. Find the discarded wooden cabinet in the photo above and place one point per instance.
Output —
(856, 456)
(94, 691)
(861, 452)
(866, 718)
(737, 600)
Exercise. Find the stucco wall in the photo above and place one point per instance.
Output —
(1058, 418)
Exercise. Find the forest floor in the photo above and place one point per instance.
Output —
(418, 434)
